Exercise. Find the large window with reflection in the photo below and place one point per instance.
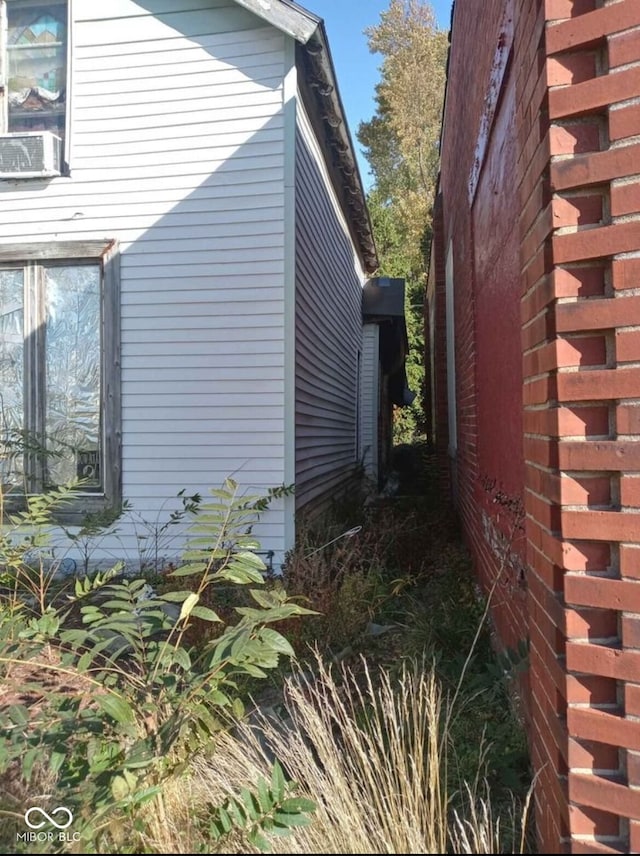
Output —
(58, 370)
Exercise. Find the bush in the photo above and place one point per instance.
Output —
(105, 690)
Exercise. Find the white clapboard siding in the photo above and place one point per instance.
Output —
(165, 194)
(189, 352)
(177, 152)
(329, 283)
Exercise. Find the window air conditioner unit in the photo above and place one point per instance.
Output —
(30, 154)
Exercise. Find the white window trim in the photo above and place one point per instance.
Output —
(4, 101)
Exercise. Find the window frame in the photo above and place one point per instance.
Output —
(4, 84)
(105, 253)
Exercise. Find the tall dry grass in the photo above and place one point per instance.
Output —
(370, 750)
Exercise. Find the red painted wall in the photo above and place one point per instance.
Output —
(540, 202)
(480, 146)
(496, 272)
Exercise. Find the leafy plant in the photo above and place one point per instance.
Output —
(95, 527)
(153, 537)
(143, 700)
(26, 559)
(269, 809)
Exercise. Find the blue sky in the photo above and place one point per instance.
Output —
(356, 68)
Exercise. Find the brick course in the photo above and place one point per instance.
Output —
(573, 85)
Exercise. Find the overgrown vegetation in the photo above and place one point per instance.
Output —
(108, 700)
(141, 712)
(410, 595)
(372, 749)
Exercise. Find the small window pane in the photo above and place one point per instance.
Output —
(11, 377)
(73, 370)
(37, 66)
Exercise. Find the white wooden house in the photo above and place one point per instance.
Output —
(184, 242)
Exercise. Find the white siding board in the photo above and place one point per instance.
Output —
(190, 81)
(190, 350)
(257, 434)
(151, 499)
(225, 47)
(217, 318)
(201, 235)
(142, 216)
(165, 133)
(205, 375)
(157, 27)
(222, 268)
(216, 397)
(329, 281)
(35, 231)
(226, 416)
(188, 106)
(200, 250)
(124, 8)
(80, 190)
(190, 392)
(202, 336)
(201, 308)
(160, 67)
(201, 145)
(198, 239)
(260, 235)
(166, 295)
(250, 473)
(216, 163)
(120, 59)
(228, 178)
(258, 457)
(200, 137)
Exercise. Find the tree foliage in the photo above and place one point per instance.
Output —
(401, 144)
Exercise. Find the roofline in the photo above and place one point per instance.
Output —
(287, 16)
(319, 89)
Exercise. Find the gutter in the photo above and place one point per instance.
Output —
(322, 99)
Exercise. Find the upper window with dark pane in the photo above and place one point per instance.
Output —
(36, 61)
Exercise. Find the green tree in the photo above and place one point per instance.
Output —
(401, 144)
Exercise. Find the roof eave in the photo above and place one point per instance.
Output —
(322, 99)
(321, 96)
(292, 19)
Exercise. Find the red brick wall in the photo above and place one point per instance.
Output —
(592, 103)
(541, 201)
(547, 676)
(480, 208)
(489, 459)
